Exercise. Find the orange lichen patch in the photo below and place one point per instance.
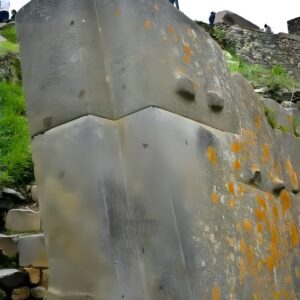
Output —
(294, 235)
(236, 165)
(170, 29)
(187, 49)
(186, 58)
(188, 53)
(292, 174)
(274, 237)
(257, 121)
(265, 156)
(156, 7)
(297, 272)
(285, 201)
(260, 214)
(247, 225)
(212, 155)
(236, 147)
(251, 256)
(261, 201)
(118, 12)
(260, 227)
(215, 293)
(275, 213)
(148, 24)
(230, 188)
(270, 197)
(243, 270)
(243, 246)
(231, 241)
(231, 202)
(270, 263)
(215, 198)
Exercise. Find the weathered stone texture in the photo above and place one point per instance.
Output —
(294, 26)
(257, 47)
(177, 187)
(22, 220)
(32, 251)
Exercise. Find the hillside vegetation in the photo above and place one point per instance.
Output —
(16, 168)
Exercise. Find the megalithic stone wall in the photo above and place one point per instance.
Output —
(158, 174)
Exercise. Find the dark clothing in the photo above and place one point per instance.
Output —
(176, 3)
(4, 16)
(13, 17)
(212, 19)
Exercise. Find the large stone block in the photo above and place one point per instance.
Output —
(23, 220)
(230, 18)
(32, 251)
(12, 278)
(165, 215)
(84, 63)
(139, 199)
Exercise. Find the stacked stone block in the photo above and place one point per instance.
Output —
(148, 151)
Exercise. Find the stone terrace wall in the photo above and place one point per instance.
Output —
(294, 26)
(258, 47)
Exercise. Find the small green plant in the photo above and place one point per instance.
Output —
(16, 166)
(283, 128)
(272, 119)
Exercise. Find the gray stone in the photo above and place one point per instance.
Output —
(39, 292)
(21, 293)
(8, 244)
(34, 193)
(23, 220)
(282, 118)
(176, 49)
(172, 208)
(230, 18)
(294, 26)
(32, 251)
(12, 278)
(2, 39)
(288, 104)
(13, 194)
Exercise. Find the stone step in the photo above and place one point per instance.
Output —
(12, 278)
(32, 251)
(23, 220)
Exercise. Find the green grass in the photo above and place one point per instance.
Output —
(16, 166)
(11, 45)
(273, 78)
(9, 32)
(8, 47)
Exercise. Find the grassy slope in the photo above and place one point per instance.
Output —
(16, 166)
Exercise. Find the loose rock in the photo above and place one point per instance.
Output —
(20, 293)
(39, 292)
(12, 278)
(22, 220)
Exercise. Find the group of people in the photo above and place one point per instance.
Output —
(212, 17)
(4, 16)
